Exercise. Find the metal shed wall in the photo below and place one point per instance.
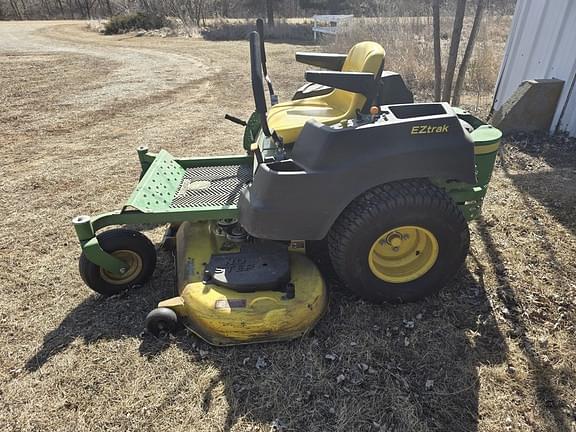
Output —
(542, 44)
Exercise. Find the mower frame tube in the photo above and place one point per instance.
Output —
(86, 227)
(100, 257)
(146, 158)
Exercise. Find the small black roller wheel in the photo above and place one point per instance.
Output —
(161, 321)
(132, 247)
(399, 242)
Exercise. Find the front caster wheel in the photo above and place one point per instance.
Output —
(161, 321)
(131, 247)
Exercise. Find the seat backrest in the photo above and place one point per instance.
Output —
(362, 57)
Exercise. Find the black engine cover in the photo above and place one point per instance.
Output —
(261, 266)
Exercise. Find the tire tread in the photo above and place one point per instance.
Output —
(384, 199)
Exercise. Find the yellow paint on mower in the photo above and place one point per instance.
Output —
(403, 254)
(288, 118)
(223, 316)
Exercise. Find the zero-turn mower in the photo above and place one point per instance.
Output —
(388, 187)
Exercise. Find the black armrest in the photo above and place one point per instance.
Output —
(356, 82)
(322, 60)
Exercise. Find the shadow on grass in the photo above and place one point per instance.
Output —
(364, 367)
(554, 188)
(559, 151)
(417, 373)
(542, 373)
(116, 317)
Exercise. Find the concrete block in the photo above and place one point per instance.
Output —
(530, 108)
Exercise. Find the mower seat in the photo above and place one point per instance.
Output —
(288, 118)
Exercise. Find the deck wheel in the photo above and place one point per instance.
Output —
(132, 247)
(161, 321)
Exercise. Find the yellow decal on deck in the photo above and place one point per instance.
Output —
(426, 129)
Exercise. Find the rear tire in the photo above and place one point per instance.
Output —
(130, 246)
(399, 242)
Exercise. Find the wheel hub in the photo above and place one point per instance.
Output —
(394, 239)
(128, 273)
(403, 254)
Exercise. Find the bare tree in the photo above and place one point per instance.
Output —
(225, 8)
(89, 5)
(16, 9)
(60, 7)
(437, 51)
(270, 12)
(71, 8)
(454, 45)
(106, 5)
(480, 6)
(46, 5)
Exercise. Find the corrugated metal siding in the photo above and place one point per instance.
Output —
(542, 44)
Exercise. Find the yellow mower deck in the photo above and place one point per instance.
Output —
(222, 316)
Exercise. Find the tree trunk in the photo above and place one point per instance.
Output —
(71, 9)
(80, 7)
(23, 10)
(16, 9)
(61, 7)
(197, 12)
(454, 44)
(88, 7)
(270, 12)
(203, 13)
(47, 7)
(437, 51)
(109, 8)
(468, 53)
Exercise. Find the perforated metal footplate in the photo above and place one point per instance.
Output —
(212, 186)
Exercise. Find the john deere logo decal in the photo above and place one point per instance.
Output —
(426, 129)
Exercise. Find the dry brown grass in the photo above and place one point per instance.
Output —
(496, 347)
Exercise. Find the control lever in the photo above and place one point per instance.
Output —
(257, 153)
(235, 120)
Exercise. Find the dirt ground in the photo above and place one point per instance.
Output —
(495, 351)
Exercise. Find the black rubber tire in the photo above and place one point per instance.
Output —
(115, 240)
(410, 202)
(161, 321)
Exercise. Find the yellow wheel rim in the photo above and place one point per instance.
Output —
(403, 254)
(133, 268)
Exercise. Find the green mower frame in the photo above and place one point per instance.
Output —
(141, 210)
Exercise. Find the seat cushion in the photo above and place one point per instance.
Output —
(288, 118)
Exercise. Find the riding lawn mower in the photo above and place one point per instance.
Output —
(351, 162)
